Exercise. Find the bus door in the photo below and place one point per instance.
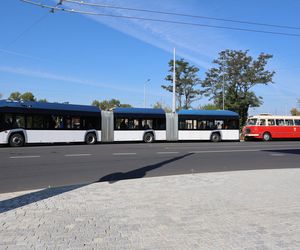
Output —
(281, 131)
(290, 128)
(297, 128)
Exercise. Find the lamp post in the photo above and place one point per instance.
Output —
(223, 92)
(145, 104)
(174, 82)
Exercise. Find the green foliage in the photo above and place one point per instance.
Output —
(28, 96)
(295, 111)
(17, 96)
(209, 106)
(159, 105)
(186, 83)
(42, 100)
(109, 104)
(240, 73)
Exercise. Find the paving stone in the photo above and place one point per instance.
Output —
(255, 210)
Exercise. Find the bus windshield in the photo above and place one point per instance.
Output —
(251, 121)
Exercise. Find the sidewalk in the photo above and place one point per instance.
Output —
(229, 210)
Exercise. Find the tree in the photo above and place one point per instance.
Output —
(15, 96)
(209, 106)
(159, 105)
(239, 73)
(109, 104)
(295, 111)
(186, 82)
(28, 96)
(42, 100)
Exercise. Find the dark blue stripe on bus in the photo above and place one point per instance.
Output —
(46, 108)
(223, 113)
(139, 113)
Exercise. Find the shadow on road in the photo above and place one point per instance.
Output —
(283, 151)
(27, 199)
(140, 172)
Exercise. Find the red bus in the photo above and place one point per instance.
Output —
(268, 127)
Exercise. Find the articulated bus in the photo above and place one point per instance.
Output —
(267, 127)
(37, 122)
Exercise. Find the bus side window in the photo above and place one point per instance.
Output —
(297, 122)
(262, 122)
(271, 122)
(279, 122)
(289, 123)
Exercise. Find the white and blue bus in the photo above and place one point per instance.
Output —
(213, 125)
(136, 124)
(36, 122)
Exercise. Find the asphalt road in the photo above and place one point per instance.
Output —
(35, 167)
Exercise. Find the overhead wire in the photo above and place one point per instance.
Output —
(181, 14)
(54, 8)
(27, 29)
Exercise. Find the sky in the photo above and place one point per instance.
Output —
(76, 58)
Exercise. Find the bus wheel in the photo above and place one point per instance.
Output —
(148, 137)
(90, 138)
(267, 137)
(215, 137)
(16, 140)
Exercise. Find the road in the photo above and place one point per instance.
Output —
(35, 167)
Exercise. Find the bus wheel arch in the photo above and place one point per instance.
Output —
(16, 139)
(149, 137)
(267, 136)
(215, 137)
(90, 138)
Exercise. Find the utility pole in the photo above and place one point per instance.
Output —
(174, 82)
(223, 91)
(145, 103)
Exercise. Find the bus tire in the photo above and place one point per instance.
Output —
(90, 138)
(148, 138)
(267, 136)
(215, 137)
(16, 140)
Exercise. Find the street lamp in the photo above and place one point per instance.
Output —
(148, 80)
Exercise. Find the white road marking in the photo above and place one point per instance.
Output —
(124, 153)
(161, 153)
(277, 154)
(262, 145)
(74, 155)
(225, 151)
(24, 156)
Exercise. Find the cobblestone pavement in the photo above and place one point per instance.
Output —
(233, 210)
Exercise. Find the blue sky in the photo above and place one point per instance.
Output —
(77, 58)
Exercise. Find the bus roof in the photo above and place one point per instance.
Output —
(274, 117)
(139, 112)
(48, 106)
(223, 113)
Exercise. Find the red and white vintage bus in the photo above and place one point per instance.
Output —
(267, 127)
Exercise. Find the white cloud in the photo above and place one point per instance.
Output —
(198, 44)
(57, 77)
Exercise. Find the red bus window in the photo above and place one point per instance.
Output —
(271, 122)
(262, 122)
(297, 122)
(289, 123)
(279, 122)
